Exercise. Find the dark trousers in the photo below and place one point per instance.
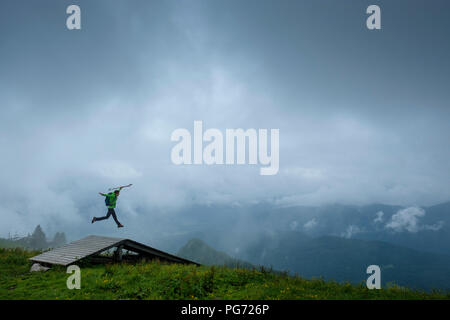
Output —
(110, 212)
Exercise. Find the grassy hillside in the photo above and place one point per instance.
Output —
(154, 280)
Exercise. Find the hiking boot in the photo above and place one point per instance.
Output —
(93, 220)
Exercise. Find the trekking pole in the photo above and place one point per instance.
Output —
(117, 188)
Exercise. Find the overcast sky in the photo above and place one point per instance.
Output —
(363, 115)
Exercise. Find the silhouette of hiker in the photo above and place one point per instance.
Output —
(111, 199)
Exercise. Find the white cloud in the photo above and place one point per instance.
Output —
(406, 219)
(117, 170)
(434, 227)
(293, 225)
(305, 173)
(379, 217)
(351, 231)
(310, 224)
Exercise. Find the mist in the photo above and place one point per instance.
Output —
(362, 116)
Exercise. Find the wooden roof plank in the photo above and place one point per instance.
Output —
(77, 250)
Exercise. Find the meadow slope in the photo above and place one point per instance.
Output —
(156, 280)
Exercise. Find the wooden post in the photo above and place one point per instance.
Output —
(118, 253)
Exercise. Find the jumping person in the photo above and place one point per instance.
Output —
(111, 204)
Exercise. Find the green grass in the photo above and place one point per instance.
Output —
(155, 280)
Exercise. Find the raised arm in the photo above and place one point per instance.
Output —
(102, 194)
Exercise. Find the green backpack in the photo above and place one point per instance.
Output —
(108, 200)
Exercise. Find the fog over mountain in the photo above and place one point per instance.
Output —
(363, 117)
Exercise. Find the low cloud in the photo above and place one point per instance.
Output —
(293, 225)
(351, 231)
(408, 220)
(434, 227)
(310, 224)
(379, 217)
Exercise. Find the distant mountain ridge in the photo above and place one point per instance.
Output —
(232, 228)
(198, 251)
(343, 259)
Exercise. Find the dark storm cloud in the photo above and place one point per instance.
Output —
(363, 115)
